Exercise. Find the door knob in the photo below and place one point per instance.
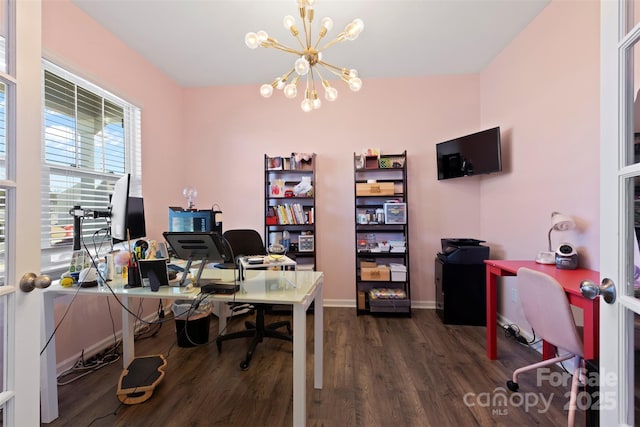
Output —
(29, 281)
(607, 289)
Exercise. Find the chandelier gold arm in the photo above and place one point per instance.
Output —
(307, 16)
(295, 33)
(283, 79)
(275, 44)
(340, 72)
(339, 39)
(323, 32)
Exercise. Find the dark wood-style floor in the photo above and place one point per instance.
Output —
(378, 371)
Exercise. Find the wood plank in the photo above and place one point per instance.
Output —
(379, 371)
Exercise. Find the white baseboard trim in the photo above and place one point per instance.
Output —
(350, 303)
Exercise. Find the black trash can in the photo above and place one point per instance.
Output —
(192, 325)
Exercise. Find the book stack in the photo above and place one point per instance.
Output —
(293, 214)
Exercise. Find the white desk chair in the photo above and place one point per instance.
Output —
(547, 310)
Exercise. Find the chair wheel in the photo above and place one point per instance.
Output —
(244, 365)
(512, 386)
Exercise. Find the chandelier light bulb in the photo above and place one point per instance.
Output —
(302, 66)
(355, 84)
(290, 90)
(280, 83)
(353, 72)
(266, 90)
(262, 36)
(288, 22)
(331, 94)
(327, 23)
(306, 105)
(316, 103)
(251, 40)
(353, 30)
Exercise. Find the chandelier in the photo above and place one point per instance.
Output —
(309, 58)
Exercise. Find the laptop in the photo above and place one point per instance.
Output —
(153, 273)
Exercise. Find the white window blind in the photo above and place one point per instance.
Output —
(90, 139)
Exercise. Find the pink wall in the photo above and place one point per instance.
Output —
(232, 128)
(543, 89)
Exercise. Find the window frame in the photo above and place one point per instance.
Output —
(56, 259)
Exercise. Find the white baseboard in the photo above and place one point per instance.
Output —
(351, 303)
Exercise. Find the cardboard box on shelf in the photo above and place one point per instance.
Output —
(361, 300)
(381, 273)
(374, 189)
(368, 264)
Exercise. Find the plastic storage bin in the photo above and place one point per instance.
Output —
(192, 324)
(398, 272)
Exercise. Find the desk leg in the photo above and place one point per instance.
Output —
(48, 374)
(548, 350)
(128, 334)
(222, 310)
(299, 368)
(591, 315)
(318, 339)
(492, 308)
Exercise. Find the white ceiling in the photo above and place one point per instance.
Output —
(201, 42)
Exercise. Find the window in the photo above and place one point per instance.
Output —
(90, 139)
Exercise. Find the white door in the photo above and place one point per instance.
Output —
(620, 211)
(20, 112)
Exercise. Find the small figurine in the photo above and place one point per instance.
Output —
(152, 250)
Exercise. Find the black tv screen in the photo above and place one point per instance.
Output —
(474, 154)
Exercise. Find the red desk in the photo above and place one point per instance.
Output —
(570, 281)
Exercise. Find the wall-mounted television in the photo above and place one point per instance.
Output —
(474, 154)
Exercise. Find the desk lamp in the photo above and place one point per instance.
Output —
(559, 222)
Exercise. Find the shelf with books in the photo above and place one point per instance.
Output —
(289, 205)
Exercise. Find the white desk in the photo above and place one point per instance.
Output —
(259, 287)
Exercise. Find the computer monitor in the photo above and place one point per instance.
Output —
(181, 220)
(136, 224)
(119, 208)
(116, 213)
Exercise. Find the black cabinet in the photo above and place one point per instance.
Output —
(461, 297)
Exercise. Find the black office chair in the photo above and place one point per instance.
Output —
(244, 242)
